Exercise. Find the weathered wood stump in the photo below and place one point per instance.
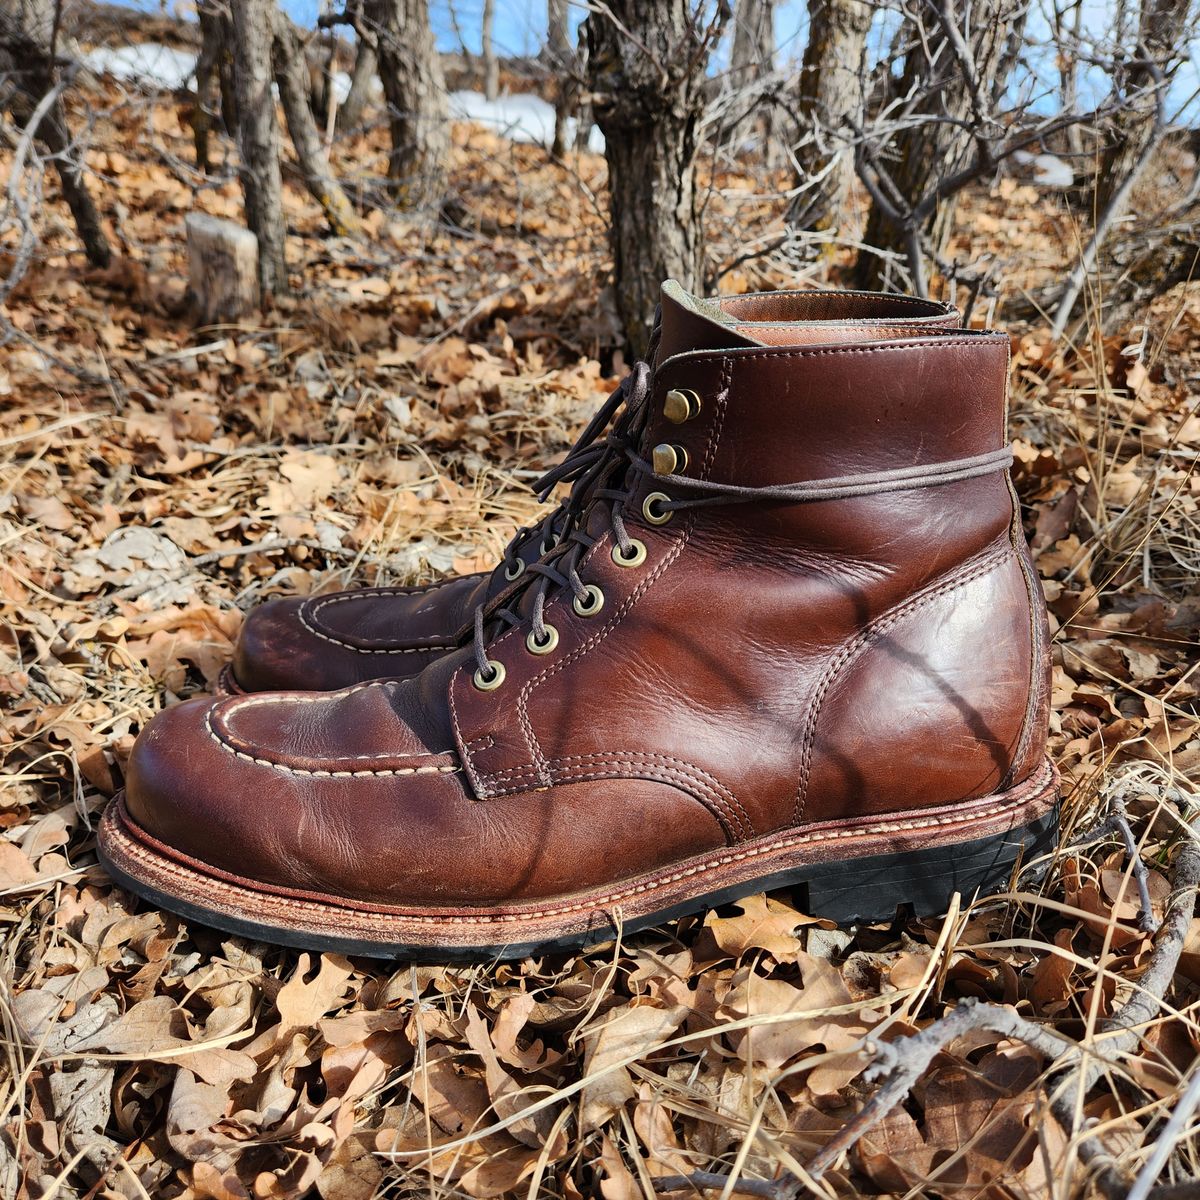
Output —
(222, 269)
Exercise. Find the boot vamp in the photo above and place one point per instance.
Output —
(360, 795)
(320, 643)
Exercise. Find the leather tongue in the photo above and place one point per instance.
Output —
(691, 323)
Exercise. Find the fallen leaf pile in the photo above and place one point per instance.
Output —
(157, 481)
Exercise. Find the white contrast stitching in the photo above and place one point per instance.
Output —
(282, 767)
(303, 619)
(252, 700)
(382, 592)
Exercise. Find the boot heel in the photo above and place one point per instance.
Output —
(870, 890)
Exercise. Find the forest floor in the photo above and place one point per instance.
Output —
(157, 480)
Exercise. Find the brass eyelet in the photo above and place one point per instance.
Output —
(597, 602)
(546, 547)
(635, 559)
(486, 683)
(514, 570)
(681, 404)
(669, 459)
(661, 517)
(536, 647)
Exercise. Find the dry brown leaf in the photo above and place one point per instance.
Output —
(632, 1032)
(764, 923)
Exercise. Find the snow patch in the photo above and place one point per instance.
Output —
(148, 63)
(521, 117)
(1048, 169)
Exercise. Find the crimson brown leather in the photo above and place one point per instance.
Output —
(795, 638)
(319, 643)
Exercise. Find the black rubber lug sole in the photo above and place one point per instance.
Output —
(871, 890)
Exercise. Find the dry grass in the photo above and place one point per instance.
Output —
(381, 428)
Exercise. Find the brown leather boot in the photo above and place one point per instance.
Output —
(320, 643)
(794, 639)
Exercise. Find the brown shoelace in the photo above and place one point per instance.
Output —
(585, 462)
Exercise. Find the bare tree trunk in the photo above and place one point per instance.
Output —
(561, 62)
(491, 68)
(1162, 46)
(258, 139)
(27, 58)
(753, 52)
(1014, 43)
(212, 46)
(646, 62)
(831, 105)
(752, 63)
(951, 73)
(416, 94)
(291, 74)
(585, 118)
(56, 134)
(318, 66)
(350, 113)
(1066, 40)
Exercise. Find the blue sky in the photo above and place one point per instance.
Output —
(521, 24)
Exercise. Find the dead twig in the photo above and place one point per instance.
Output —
(1143, 1185)
(1126, 1024)
(900, 1064)
(1117, 822)
(133, 591)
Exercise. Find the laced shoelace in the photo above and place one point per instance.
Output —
(596, 471)
(587, 459)
(609, 474)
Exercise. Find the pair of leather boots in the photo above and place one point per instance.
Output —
(783, 631)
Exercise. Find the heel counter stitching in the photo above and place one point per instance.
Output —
(1038, 643)
(974, 568)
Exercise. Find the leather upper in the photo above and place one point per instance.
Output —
(342, 638)
(769, 664)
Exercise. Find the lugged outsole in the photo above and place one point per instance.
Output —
(859, 871)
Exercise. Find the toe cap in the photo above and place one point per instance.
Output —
(183, 789)
(292, 791)
(274, 649)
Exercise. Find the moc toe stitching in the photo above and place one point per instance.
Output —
(423, 589)
(218, 726)
(204, 799)
(367, 626)
(412, 645)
